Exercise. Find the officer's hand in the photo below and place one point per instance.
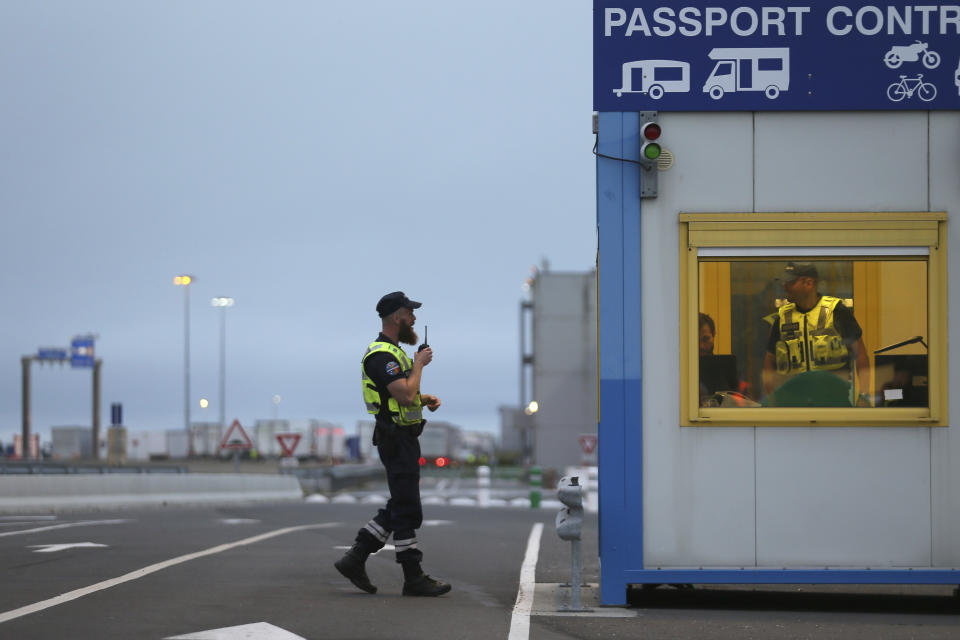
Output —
(430, 402)
(423, 357)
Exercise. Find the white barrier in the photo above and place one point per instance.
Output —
(32, 493)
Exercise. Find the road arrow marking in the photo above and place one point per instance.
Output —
(82, 523)
(13, 614)
(258, 630)
(50, 548)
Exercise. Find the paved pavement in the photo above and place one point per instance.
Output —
(168, 572)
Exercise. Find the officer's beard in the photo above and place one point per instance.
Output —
(407, 335)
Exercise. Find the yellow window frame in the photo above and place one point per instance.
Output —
(782, 231)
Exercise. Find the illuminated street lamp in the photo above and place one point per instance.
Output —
(223, 302)
(185, 281)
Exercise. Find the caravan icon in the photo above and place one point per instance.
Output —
(761, 69)
(655, 77)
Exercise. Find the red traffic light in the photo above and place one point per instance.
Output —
(650, 131)
(441, 462)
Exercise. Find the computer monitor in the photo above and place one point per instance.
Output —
(719, 373)
(901, 380)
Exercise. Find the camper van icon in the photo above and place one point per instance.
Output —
(764, 69)
(655, 77)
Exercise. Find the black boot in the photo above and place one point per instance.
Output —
(424, 585)
(351, 565)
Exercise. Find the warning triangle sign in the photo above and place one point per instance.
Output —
(236, 438)
(288, 442)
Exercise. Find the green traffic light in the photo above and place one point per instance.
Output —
(651, 151)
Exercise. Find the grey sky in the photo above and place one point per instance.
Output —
(302, 157)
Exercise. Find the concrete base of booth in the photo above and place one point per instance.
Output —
(45, 493)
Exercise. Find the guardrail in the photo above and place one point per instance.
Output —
(37, 467)
(326, 479)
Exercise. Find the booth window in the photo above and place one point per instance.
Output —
(826, 319)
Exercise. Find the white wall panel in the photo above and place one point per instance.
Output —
(841, 161)
(843, 497)
(878, 497)
(945, 450)
(698, 483)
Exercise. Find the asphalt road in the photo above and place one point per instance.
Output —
(172, 572)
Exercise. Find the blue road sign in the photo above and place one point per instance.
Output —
(81, 351)
(51, 353)
(751, 55)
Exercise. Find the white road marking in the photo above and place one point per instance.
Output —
(520, 620)
(436, 523)
(258, 630)
(28, 518)
(238, 521)
(82, 523)
(50, 548)
(153, 568)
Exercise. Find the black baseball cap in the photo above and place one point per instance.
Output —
(795, 270)
(393, 301)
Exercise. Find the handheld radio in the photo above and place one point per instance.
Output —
(424, 345)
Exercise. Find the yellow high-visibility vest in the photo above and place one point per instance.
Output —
(810, 341)
(403, 415)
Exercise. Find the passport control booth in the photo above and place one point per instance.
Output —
(775, 297)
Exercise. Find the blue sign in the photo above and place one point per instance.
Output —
(81, 351)
(747, 55)
(51, 353)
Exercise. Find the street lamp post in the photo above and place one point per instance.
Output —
(184, 281)
(223, 302)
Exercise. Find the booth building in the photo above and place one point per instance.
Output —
(787, 460)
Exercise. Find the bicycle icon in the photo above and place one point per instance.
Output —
(908, 86)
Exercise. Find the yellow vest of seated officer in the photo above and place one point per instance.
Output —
(403, 415)
(810, 341)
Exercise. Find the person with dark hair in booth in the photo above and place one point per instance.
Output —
(391, 392)
(708, 331)
(814, 332)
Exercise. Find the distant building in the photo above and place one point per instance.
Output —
(72, 443)
(559, 371)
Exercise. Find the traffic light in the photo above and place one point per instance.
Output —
(650, 151)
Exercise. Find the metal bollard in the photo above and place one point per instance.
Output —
(483, 486)
(536, 484)
(570, 527)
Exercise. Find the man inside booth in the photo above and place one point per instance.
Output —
(814, 333)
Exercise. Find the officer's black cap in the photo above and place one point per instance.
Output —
(393, 301)
(795, 270)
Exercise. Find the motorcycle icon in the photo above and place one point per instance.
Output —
(911, 53)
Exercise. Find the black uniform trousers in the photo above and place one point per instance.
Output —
(399, 450)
